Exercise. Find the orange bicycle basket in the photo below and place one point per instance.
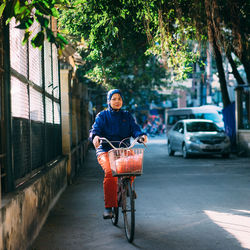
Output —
(126, 161)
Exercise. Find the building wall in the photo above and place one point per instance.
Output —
(65, 76)
(37, 183)
(75, 121)
(242, 108)
(25, 211)
(182, 99)
(244, 141)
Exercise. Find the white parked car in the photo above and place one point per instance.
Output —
(197, 136)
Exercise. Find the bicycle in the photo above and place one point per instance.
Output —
(126, 163)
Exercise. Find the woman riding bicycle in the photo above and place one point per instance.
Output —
(115, 125)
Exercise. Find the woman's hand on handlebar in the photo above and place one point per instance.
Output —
(143, 139)
(96, 141)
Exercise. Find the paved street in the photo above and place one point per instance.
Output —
(200, 203)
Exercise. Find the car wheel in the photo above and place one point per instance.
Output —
(170, 151)
(184, 151)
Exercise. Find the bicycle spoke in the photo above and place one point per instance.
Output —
(128, 212)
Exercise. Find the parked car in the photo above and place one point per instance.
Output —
(197, 136)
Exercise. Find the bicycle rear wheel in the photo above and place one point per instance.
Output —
(115, 212)
(128, 209)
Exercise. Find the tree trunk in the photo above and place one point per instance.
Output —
(209, 69)
(221, 72)
(246, 65)
(234, 69)
(217, 54)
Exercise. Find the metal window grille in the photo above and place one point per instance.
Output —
(49, 111)
(57, 119)
(35, 62)
(2, 125)
(48, 67)
(37, 144)
(35, 105)
(50, 143)
(19, 98)
(55, 72)
(20, 127)
(18, 52)
(21, 147)
(57, 140)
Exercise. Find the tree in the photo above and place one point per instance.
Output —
(110, 27)
(113, 42)
(227, 31)
(217, 53)
(122, 37)
(234, 30)
(28, 12)
(223, 23)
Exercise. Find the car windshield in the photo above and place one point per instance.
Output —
(202, 127)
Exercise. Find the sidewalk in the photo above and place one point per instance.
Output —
(76, 221)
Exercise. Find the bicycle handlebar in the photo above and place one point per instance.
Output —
(138, 139)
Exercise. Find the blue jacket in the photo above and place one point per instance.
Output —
(115, 126)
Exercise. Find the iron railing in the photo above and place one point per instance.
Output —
(35, 110)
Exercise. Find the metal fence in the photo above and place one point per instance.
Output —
(2, 124)
(35, 108)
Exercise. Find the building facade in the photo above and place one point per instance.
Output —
(243, 119)
(35, 167)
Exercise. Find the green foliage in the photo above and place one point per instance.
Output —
(156, 23)
(134, 44)
(40, 11)
(115, 43)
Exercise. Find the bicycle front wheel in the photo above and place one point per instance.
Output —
(128, 206)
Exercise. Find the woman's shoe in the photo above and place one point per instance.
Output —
(107, 213)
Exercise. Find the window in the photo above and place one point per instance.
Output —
(2, 110)
(35, 105)
(172, 119)
(202, 126)
(179, 127)
(245, 109)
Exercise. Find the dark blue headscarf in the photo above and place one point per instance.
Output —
(112, 92)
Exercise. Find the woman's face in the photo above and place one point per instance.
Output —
(116, 101)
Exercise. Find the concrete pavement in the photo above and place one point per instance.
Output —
(198, 203)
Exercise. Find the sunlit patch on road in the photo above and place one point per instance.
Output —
(236, 223)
